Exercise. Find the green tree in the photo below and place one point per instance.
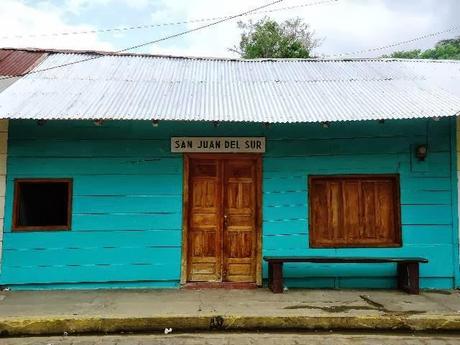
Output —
(445, 49)
(267, 38)
(408, 54)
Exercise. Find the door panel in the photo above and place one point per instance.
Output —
(239, 231)
(222, 220)
(204, 230)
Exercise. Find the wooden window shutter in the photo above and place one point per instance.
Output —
(354, 211)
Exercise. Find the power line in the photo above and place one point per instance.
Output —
(150, 42)
(392, 45)
(227, 18)
(149, 26)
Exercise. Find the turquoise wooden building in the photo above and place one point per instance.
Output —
(133, 171)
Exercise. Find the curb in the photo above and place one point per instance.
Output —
(104, 325)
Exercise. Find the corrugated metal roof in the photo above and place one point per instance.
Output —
(16, 62)
(168, 88)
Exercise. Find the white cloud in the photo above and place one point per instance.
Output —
(138, 4)
(17, 18)
(213, 41)
(357, 25)
(346, 26)
(76, 6)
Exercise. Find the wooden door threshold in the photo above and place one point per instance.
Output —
(219, 285)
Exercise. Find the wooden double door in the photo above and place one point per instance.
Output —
(222, 218)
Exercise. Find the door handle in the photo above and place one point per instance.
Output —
(225, 220)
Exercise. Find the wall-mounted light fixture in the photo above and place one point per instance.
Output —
(41, 122)
(436, 118)
(421, 152)
(381, 121)
(98, 122)
(155, 123)
(267, 124)
(216, 124)
(325, 124)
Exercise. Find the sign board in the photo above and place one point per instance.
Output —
(218, 144)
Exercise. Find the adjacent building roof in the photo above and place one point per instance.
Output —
(147, 87)
(14, 63)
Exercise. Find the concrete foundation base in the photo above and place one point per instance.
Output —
(115, 311)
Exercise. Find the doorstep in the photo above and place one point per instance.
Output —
(219, 285)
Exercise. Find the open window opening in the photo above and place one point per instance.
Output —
(42, 204)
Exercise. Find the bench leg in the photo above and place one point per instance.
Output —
(275, 277)
(408, 277)
(270, 276)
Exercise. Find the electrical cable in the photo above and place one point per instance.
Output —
(150, 26)
(182, 33)
(391, 45)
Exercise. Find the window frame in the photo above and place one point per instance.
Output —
(17, 190)
(397, 204)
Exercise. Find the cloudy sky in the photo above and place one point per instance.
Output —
(344, 26)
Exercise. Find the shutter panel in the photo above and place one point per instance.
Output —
(354, 211)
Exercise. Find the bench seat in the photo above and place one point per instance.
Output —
(407, 268)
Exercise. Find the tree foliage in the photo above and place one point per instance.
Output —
(267, 38)
(445, 49)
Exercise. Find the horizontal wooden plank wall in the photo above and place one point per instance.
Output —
(3, 155)
(126, 226)
(456, 237)
(361, 148)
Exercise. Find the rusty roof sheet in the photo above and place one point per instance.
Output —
(16, 62)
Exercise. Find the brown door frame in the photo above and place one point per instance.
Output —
(185, 210)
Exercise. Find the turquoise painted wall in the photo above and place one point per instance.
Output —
(126, 226)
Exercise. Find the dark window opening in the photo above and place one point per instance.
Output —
(42, 205)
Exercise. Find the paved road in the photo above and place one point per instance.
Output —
(241, 339)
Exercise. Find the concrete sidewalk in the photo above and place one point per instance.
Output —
(110, 311)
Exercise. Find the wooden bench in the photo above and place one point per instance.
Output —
(408, 268)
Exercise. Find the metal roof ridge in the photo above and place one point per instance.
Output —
(230, 59)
